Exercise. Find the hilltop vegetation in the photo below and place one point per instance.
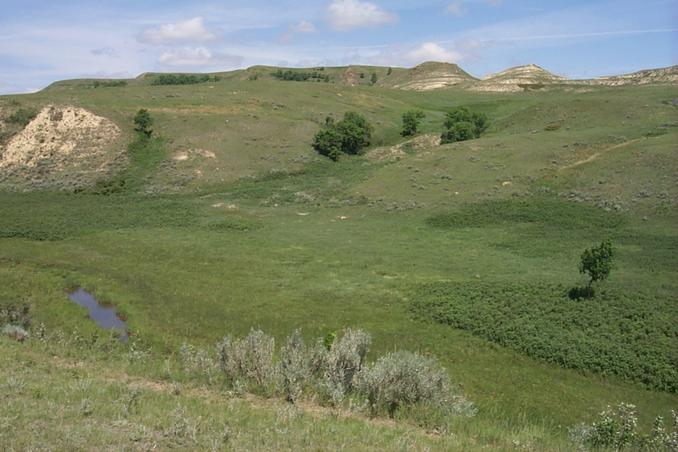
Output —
(223, 218)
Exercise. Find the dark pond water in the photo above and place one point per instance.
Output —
(105, 317)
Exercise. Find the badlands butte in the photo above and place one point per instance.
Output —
(226, 222)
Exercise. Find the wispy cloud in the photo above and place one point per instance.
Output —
(191, 30)
(198, 57)
(345, 15)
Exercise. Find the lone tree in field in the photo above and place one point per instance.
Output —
(462, 124)
(597, 262)
(411, 120)
(348, 136)
(143, 122)
(374, 78)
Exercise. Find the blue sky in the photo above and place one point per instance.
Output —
(43, 41)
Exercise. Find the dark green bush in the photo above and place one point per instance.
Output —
(143, 123)
(348, 136)
(300, 76)
(183, 79)
(108, 83)
(411, 120)
(462, 124)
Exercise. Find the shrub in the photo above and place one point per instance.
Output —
(617, 429)
(13, 314)
(15, 332)
(294, 367)
(411, 120)
(403, 378)
(462, 124)
(143, 122)
(197, 360)
(248, 362)
(22, 116)
(348, 136)
(460, 131)
(342, 362)
(374, 78)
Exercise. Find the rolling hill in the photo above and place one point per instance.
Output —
(229, 221)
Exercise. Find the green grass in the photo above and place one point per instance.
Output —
(266, 234)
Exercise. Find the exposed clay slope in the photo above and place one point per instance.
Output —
(661, 76)
(433, 75)
(518, 78)
(59, 141)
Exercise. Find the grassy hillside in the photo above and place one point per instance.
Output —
(461, 251)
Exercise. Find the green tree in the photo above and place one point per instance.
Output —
(411, 120)
(460, 131)
(597, 262)
(348, 136)
(390, 71)
(374, 78)
(327, 142)
(463, 124)
(143, 123)
(355, 131)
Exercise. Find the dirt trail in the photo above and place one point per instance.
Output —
(597, 154)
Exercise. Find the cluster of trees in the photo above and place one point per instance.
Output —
(300, 76)
(462, 124)
(183, 79)
(348, 136)
(108, 83)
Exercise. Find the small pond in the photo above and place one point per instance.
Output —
(105, 317)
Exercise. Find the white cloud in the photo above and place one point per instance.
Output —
(303, 27)
(348, 14)
(456, 8)
(191, 30)
(431, 51)
(198, 57)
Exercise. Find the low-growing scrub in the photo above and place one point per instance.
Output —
(616, 428)
(22, 116)
(623, 334)
(334, 371)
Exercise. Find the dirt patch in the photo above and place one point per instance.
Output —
(60, 139)
(400, 151)
(596, 155)
(181, 156)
